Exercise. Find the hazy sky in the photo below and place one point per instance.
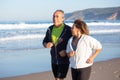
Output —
(27, 10)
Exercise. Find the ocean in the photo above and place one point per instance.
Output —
(22, 52)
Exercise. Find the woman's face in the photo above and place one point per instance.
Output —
(75, 31)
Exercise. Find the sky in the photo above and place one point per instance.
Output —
(40, 10)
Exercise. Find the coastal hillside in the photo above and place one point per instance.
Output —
(112, 13)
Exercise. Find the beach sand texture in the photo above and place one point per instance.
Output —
(104, 70)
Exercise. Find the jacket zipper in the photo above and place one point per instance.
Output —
(57, 44)
(54, 44)
(75, 51)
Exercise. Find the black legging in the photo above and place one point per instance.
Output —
(81, 74)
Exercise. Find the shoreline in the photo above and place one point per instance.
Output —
(103, 70)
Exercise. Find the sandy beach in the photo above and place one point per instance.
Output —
(104, 70)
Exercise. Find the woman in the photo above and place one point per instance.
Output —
(80, 50)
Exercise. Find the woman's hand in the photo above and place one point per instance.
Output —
(90, 60)
(72, 53)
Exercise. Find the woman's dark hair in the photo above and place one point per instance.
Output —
(82, 26)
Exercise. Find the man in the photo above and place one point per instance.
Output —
(56, 38)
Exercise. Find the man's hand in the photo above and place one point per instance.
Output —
(62, 53)
(49, 45)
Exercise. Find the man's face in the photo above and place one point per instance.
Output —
(58, 18)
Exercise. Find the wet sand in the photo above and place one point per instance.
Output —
(104, 70)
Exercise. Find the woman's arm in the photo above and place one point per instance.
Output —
(94, 55)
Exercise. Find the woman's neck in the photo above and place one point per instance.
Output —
(78, 36)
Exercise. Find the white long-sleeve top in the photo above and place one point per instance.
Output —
(85, 46)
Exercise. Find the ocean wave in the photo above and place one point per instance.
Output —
(46, 25)
(41, 36)
(19, 49)
(22, 37)
(23, 26)
(103, 24)
(104, 31)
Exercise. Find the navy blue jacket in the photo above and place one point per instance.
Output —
(61, 45)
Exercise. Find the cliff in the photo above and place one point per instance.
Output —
(112, 13)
